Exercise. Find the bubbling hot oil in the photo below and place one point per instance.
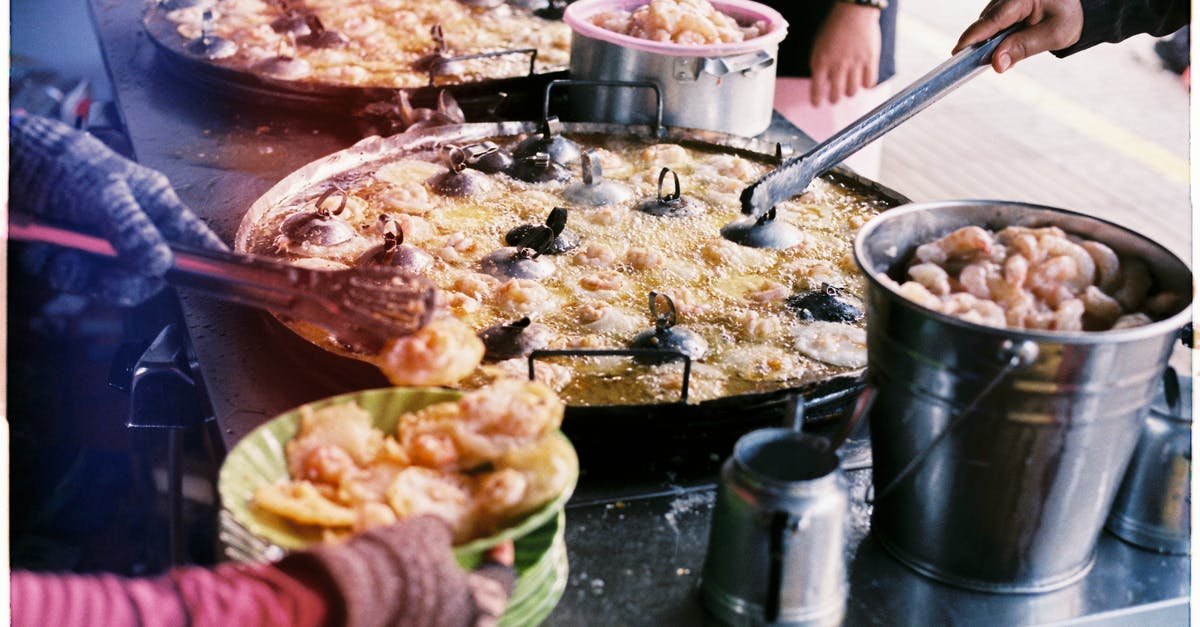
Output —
(597, 296)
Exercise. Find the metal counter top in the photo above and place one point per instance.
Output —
(635, 546)
(637, 561)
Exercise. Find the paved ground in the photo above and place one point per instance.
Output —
(1103, 132)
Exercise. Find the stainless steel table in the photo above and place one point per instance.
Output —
(636, 546)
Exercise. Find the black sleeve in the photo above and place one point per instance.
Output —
(1116, 20)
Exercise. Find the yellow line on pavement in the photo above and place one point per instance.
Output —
(1094, 126)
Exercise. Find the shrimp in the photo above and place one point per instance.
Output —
(972, 309)
(442, 353)
(326, 463)
(524, 296)
(1027, 245)
(353, 210)
(410, 198)
(1016, 270)
(1020, 309)
(608, 215)
(643, 258)
(688, 303)
(1009, 234)
(1085, 267)
(1108, 265)
(974, 279)
(1163, 303)
(847, 262)
(932, 276)
(1135, 284)
(965, 243)
(360, 26)
(346, 427)
(757, 326)
(595, 256)
(1100, 308)
(602, 282)
(415, 229)
(460, 304)
(1051, 279)
(488, 422)
(722, 252)
(446, 495)
(477, 285)
(817, 272)
(500, 490)
(671, 155)
(613, 164)
(919, 294)
(1069, 315)
(457, 249)
(767, 291)
(1129, 321)
(732, 166)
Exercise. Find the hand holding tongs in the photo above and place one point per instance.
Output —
(793, 176)
(362, 307)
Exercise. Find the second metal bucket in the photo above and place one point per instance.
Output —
(994, 473)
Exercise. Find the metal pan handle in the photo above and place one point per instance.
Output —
(620, 352)
(532, 52)
(658, 99)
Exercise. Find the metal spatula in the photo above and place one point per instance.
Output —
(362, 306)
(795, 174)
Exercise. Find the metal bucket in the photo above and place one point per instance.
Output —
(727, 87)
(997, 452)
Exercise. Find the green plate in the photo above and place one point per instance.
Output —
(541, 563)
(259, 458)
(540, 560)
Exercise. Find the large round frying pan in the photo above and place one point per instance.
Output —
(480, 99)
(678, 420)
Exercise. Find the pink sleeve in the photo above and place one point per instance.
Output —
(227, 595)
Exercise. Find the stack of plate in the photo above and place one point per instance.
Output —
(247, 533)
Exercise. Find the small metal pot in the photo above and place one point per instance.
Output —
(776, 547)
(1153, 505)
(723, 87)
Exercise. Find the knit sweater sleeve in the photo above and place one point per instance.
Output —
(230, 594)
(396, 575)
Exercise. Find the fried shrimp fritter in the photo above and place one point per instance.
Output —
(447, 495)
(347, 476)
(327, 437)
(442, 353)
(302, 502)
(482, 425)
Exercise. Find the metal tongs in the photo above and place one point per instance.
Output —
(362, 307)
(793, 176)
